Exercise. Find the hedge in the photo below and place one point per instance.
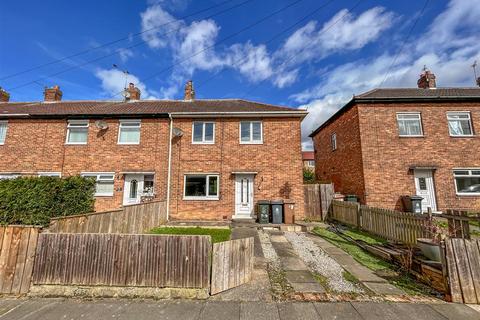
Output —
(34, 200)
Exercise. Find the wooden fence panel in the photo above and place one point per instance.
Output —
(313, 209)
(463, 266)
(345, 212)
(326, 197)
(133, 219)
(232, 264)
(17, 251)
(123, 260)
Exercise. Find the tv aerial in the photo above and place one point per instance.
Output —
(102, 125)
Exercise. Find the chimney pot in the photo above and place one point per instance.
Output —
(52, 94)
(427, 80)
(134, 92)
(4, 95)
(189, 91)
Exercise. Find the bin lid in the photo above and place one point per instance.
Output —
(263, 202)
(276, 202)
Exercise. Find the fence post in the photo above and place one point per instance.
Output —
(359, 217)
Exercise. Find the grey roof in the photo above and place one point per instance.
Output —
(140, 107)
(401, 93)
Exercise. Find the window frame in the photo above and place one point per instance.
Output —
(120, 122)
(333, 141)
(86, 126)
(207, 180)
(96, 175)
(5, 122)
(470, 175)
(419, 114)
(203, 132)
(49, 174)
(469, 122)
(250, 141)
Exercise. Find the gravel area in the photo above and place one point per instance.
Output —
(269, 252)
(321, 263)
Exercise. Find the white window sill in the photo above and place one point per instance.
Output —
(468, 194)
(196, 142)
(463, 136)
(201, 199)
(251, 142)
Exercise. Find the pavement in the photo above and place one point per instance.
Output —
(52, 309)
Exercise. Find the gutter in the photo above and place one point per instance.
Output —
(300, 113)
(169, 164)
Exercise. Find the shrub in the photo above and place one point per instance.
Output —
(34, 200)
(308, 176)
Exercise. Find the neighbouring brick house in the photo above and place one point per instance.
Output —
(224, 155)
(308, 158)
(387, 143)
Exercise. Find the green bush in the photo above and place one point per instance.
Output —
(308, 176)
(34, 200)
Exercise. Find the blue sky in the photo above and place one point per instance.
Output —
(302, 53)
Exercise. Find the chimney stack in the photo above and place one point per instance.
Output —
(427, 80)
(189, 91)
(478, 81)
(133, 92)
(52, 94)
(4, 95)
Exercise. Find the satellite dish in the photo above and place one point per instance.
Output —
(177, 132)
(100, 124)
(126, 94)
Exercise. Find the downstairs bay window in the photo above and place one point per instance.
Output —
(467, 181)
(201, 187)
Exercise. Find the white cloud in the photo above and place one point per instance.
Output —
(159, 27)
(125, 54)
(252, 61)
(113, 83)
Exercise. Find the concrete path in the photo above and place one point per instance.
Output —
(53, 309)
(363, 274)
(296, 272)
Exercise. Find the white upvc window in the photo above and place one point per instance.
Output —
(409, 124)
(3, 131)
(77, 132)
(129, 132)
(467, 181)
(251, 132)
(459, 124)
(104, 182)
(333, 141)
(203, 132)
(50, 174)
(201, 187)
(8, 176)
(310, 163)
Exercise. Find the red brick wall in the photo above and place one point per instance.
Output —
(387, 157)
(278, 162)
(343, 166)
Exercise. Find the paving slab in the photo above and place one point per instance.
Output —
(297, 310)
(258, 311)
(278, 238)
(456, 311)
(376, 311)
(383, 288)
(299, 276)
(221, 310)
(337, 310)
(284, 249)
(420, 311)
(32, 309)
(308, 287)
(292, 263)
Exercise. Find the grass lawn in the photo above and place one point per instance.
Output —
(403, 280)
(217, 234)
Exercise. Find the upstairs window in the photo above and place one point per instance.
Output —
(77, 132)
(409, 124)
(104, 183)
(459, 124)
(3, 131)
(129, 132)
(201, 187)
(251, 132)
(203, 132)
(333, 140)
(467, 181)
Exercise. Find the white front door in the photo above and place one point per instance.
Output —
(425, 189)
(243, 196)
(133, 188)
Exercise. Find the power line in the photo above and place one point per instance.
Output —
(120, 50)
(108, 43)
(268, 41)
(306, 47)
(404, 42)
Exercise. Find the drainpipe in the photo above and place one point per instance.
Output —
(169, 165)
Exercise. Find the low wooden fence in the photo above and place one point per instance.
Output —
(123, 260)
(388, 224)
(17, 254)
(463, 265)
(318, 198)
(133, 219)
(232, 264)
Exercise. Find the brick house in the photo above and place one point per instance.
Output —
(209, 159)
(387, 143)
(308, 159)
